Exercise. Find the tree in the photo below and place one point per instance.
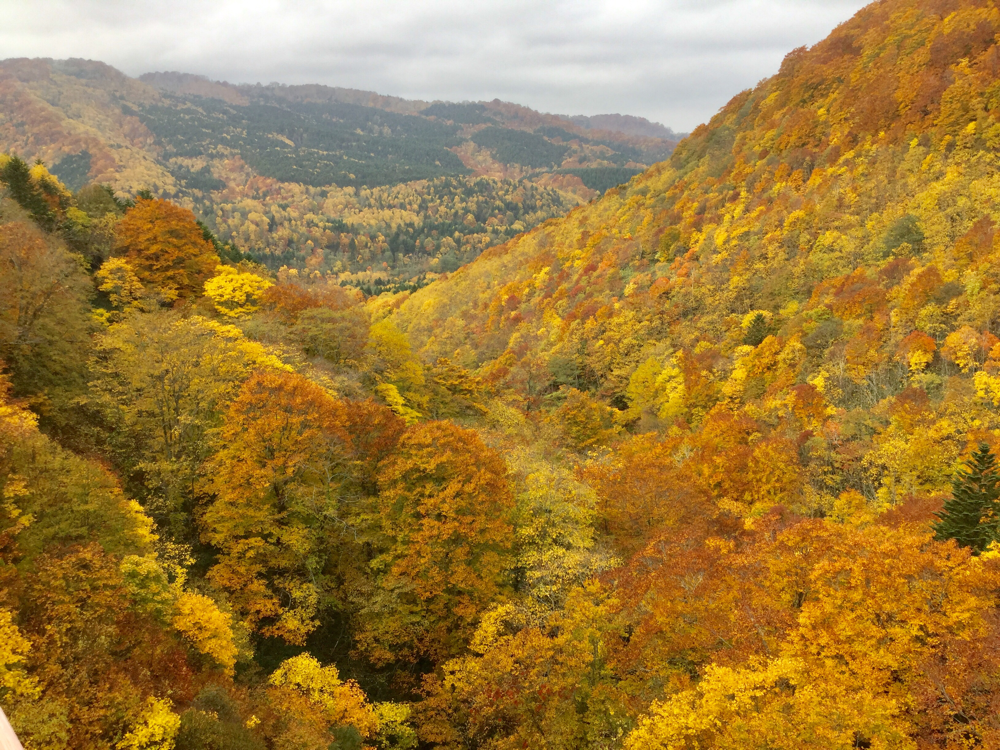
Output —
(213, 722)
(456, 391)
(444, 529)
(526, 683)
(586, 423)
(165, 246)
(288, 300)
(44, 316)
(554, 526)
(316, 703)
(391, 361)
(117, 280)
(156, 728)
(772, 705)
(52, 498)
(14, 648)
(16, 175)
(339, 336)
(755, 328)
(201, 621)
(656, 390)
(285, 451)
(643, 493)
(236, 294)
(972, 515)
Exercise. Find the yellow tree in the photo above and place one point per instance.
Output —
(236, 294)
(14, 648)
(772, 706)
(119, 282)
(155, 729)
(397, 373)
(314, 703)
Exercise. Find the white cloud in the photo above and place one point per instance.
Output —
(674, 61)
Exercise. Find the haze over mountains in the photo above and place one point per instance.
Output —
(626, 124)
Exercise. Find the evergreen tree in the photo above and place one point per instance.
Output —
(757, 331)
(17, 176)
(972, 514)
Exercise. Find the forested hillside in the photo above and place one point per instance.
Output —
(708, 463)
(797, 314)
(317, 178)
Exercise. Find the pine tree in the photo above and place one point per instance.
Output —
(17, 176)
(972, 514)
(756, 331)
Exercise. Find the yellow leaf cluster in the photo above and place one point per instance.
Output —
(156, 728)
(200, 620)
(772, 705)
(337, 703)
(14, 649)
(235, 294)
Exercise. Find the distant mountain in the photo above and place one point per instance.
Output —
(187, 84)
(495, 139)
(627, 125)
(317, 176)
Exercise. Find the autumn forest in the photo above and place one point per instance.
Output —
(333, 421)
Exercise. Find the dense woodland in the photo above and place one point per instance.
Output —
(316, 178)
(710, 462)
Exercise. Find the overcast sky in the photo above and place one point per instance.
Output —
(672, 61)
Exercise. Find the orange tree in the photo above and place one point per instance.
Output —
(277, 483)
(444, 512)
(165, 246)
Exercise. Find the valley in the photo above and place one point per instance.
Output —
(335, 420)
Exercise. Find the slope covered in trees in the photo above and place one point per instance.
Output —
(709, 463)
(798, 309)
(314, 177)
(836, 223)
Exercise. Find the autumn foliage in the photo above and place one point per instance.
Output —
(707, 463)
(284, 446)
(445, 512)
(166, 248)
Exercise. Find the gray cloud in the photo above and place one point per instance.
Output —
(673, 61)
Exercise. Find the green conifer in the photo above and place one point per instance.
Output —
(757, 331)
(972, 515)
(16, 175)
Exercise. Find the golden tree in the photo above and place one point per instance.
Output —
(284, 455)
(444, 516)
(166, 248)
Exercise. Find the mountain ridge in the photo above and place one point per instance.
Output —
(334, 180)
(198, 85)
(626, 124)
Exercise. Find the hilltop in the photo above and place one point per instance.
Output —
(627, 125)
